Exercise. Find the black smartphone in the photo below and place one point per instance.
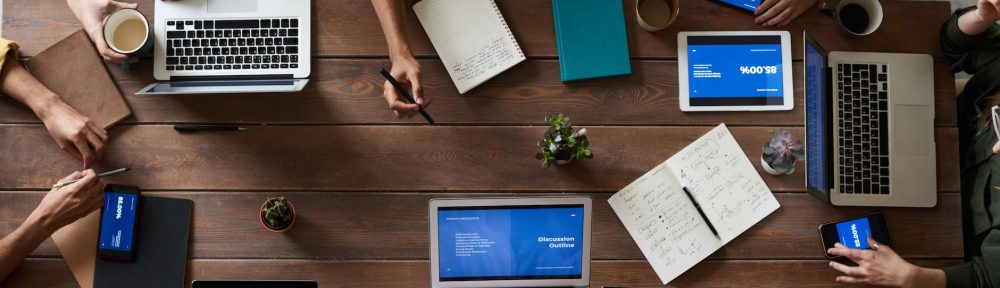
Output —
(119, 222)
(854, 232)
(744, 5)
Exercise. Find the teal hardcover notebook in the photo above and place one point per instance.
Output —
(590, 37)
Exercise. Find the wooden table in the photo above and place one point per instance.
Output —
(361, 179)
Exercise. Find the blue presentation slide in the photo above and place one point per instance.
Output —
(816, 135)
(735, 71)
(118, 221)
(854, 233)
(506, 243)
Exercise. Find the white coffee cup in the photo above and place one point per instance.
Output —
(856, 17)
(655, 15)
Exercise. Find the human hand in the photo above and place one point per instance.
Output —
(62, 206)
(407, 73)
(878, 266)
(91, 15)
(74, 133)
(996, 148)
(778, 13)
(988, 10)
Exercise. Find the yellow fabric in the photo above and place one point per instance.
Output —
(8, 49)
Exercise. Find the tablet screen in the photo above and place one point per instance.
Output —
(735, 70)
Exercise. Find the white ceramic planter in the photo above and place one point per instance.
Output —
(769, 170)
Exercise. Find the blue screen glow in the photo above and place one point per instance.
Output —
(816, 105)
(854, 233)
(507, 243)
(118, 221)
(735, 70)
(745, 4)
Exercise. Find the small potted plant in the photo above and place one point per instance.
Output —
(781, 153)
(561, 144)
(277, 214)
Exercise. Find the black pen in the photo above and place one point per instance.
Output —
(406, 95)
(702, 212)
(195, 128)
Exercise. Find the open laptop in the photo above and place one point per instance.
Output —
(510, 242)
(870, 128)
(231, 46)
(252, 284)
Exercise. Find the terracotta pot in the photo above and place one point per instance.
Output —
(263, 222)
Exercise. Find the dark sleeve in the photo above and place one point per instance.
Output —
(982, 270)
(961, 49)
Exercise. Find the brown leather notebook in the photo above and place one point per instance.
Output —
(74, 70)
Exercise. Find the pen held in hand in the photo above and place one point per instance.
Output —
(406, 95)
(102, 175)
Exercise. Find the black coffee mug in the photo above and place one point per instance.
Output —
(856, 17)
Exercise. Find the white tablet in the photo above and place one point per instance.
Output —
(735, 71)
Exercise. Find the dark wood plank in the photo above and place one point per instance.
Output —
(790, 273)
(379, 158)
(340, 226)
(350, 92)
(349, 28)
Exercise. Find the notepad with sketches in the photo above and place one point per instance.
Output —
(590, 37)
(471, 37)
(73, 69)
(664, 222)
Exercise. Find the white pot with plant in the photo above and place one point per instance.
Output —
(562, 145)
(781, 153)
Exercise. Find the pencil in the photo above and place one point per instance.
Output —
(102, 175)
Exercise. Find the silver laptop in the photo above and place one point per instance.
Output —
(231, 46)
(870, 128)
(510, 242)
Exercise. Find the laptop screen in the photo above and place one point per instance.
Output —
(817, 136)
(510, 242)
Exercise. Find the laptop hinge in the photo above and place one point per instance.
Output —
(231, 77)
(830, 126)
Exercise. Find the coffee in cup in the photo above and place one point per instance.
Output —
(655, 15)
(856, 17)
(127, 31)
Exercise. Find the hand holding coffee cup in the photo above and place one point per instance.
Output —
(127, 31)
(856, 17)
(655, 15)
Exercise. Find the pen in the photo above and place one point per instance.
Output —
(102, 175)
(406, 95)
(195, 128)
(701, 212)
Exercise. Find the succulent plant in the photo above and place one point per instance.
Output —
(780, 154)
(277, 213)
(561, 143)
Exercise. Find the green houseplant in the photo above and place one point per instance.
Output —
(561, 144)
(781, 153)
(277, 214)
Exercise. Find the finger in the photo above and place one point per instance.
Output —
(404, 107)
(75, 175)
(96, 143)
(848, 270)
(88, 156)
(770, 13)
(996, 148)
(87, 179)
(418, 91)
(881, 247)
(764, 7)
(101, 133)
(849, 280)
(120, 5)
(853, 254)
(784, 16)
(107, 52)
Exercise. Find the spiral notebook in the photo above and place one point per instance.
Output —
(471, 37)
(664, 222)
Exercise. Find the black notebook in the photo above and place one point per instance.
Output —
(161, 248)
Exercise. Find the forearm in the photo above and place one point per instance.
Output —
(19, 244)
(17, 83)
(971, 24)
(392, 18)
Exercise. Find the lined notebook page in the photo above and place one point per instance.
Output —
(471, 37)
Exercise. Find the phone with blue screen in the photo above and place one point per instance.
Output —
(119, 222)
(853, 233)
(744, 5)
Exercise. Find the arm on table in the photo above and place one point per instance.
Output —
(406, 69)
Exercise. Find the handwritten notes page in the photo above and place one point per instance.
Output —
(666, 225)
(471, 37)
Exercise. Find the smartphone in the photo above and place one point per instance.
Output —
(119, 222)
(854, 232)
(745, 5)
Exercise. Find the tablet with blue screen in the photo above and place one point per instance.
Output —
(735, 71)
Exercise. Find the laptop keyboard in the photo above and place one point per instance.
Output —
(864, 128)
(244, 44)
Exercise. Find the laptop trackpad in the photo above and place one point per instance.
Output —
(913, 130)
(232, 6)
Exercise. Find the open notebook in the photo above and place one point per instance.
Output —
(664, 222)
(471, 37)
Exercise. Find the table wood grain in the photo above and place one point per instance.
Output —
(361, 179)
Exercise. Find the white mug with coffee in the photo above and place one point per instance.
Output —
(655, 15)
(127, 31)
(856, 17)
